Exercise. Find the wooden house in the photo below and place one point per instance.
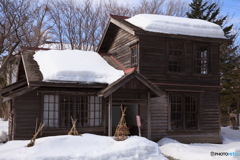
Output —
(171, 80)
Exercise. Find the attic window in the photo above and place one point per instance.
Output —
(175, 61)
(134, 55)
(201, 59)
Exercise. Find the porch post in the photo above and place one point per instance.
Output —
(149, 117)
(110, 115)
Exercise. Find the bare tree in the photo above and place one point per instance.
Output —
(22, 22)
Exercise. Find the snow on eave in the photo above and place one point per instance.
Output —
(177, 25)
(75, 66)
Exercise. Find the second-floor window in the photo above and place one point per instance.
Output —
(175, 61)
(201, 59)
(134, 55)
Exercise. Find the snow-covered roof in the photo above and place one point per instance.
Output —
(75, 65)
(177, 25)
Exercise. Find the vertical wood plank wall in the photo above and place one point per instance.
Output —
(159, 120)
(27, 109)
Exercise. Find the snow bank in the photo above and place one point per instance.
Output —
(229, 135)
(87, 147)
(177, 25)
(200, 151)
(75, 65)
(3, 131)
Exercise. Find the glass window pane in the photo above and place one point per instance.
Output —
(45, 98)
(51, 99)
(45, 106)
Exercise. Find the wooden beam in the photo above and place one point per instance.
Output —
(149, 117)
(13, 86)
(18, 93)
(67, 84)
(188, 85)
(121, 25)
(179, 90)
(178, 36)
(110, 115)
(169, 113)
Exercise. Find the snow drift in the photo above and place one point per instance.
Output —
(177, 25)
(201, 151)
(86, 147)
(75, 65)
(3, 131)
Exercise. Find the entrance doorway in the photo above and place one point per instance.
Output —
(130, 116)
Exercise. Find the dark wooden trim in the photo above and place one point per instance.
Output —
(188, 85)
(149, 117)
(13, 86)
(110, 115)
(75, 85)
(185, 37)
(178, 90)
(116, 85)
(121, 25)
(169, 113)
(18, 93)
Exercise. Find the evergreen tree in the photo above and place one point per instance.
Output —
(229, 59)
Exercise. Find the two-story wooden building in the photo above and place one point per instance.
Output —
(171, 80)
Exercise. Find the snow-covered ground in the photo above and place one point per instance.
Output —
(91, 147)
(85, 147)
(3, 130)
(202, 151)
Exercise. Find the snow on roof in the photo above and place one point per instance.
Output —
(75, 65)
(177, 25)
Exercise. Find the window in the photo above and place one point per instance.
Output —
(183, 111)
(134, 55)
(175, 62)
(86, 109)
(50, 110)
(201, 59)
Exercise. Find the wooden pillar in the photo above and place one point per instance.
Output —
(169, 112)
(110, 115)
(149, 117)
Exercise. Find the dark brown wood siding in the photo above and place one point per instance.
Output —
(159, 117)
(120, 47)
(154, 62)
(27, 109)
(208, 116)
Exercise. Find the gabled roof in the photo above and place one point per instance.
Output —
(115, 22)
(34, 75)
(126, 78)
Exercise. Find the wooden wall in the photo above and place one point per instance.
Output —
(159, 117)
(120, 47)
(153, 63)
(27, 108)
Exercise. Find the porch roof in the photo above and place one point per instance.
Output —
(126, 78)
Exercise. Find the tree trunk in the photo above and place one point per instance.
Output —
(7, 111)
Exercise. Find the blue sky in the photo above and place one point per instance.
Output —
(232, 7)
